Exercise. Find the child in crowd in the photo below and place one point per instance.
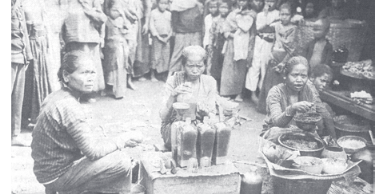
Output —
(283, 49)
(217, 40)
(320, 77)
(262, 50)
(309, 10)
(236, 49)
(160, 27)
(319, 50)
(116, 49)
(208, 21)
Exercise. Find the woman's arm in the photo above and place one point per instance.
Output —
(169, 98)
(147, 6)
(279, 117)
(94, 13)
(74, 121)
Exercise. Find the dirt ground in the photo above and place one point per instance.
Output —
(137, 111)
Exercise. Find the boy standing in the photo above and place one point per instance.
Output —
(160, 27)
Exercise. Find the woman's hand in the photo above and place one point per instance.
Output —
(302, 106)
(279, 68)
(181, 89)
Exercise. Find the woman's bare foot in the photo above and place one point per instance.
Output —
(239, 98)
(130, 83)
(254, 97)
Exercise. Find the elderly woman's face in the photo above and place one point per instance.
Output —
(82, 79)
(297, 77)
(194, 67)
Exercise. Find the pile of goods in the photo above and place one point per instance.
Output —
(301, 144)
(307, 121)
(360, 69)
(362, 97)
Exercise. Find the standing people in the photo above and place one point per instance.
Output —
(262, 50)
(208, 21)
(217, 40)
(20, 57)
(54, 20)
(82, 31)
(187, 23)
(283, 49)
(116, 50)
(141, 64)
(161, 29)
(39, 73)
(68, 158)
(236, 49)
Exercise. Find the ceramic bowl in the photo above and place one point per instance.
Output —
(352, 144)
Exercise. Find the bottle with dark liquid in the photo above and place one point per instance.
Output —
(181, 110)
(186, 143)
(251, 182)
(222, 139)
(206, 141)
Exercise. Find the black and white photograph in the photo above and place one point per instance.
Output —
(193, 97)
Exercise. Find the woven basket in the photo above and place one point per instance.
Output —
(351, 33)
(306, 186)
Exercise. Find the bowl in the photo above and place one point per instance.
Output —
(307, 121)
(334, 166)
(309, 164)
(302, 138)
(352, 144)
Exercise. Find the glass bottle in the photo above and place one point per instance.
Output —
(251, 182)
(222, 139)
(206, 139)
(186, 143)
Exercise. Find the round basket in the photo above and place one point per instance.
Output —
(351, 33)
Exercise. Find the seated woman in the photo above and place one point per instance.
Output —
(203, 89)
(68, 156)
(295, 95)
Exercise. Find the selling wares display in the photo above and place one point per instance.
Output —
(351, 33)
(297, 164)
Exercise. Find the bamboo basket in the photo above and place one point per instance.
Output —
(351, 33)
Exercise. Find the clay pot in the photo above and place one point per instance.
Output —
(334, 153)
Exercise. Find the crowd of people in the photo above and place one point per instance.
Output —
(100, 46)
